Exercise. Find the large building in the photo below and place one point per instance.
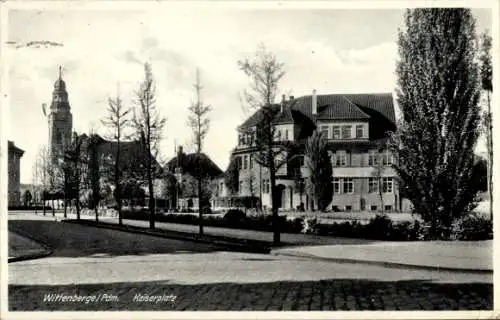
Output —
(357, 127)
(60, 119)
(14, 181)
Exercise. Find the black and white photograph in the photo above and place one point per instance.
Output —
(236, 156)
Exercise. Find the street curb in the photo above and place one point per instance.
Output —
(47, 252)
(241, 246)
(384, 263)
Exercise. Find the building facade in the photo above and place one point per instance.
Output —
(14, 181)
(357, 128)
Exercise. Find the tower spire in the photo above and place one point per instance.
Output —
(60, 72)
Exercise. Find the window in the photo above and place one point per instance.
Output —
(286, 134)
(348, 208)
(387, 158)
(373, 208)
(278, 135)
(240, 187)
(387, 185)
(245, 162)
(336, 132)
(238, 162)
(359, 131)
(346, 132)
(265, 185)
(336, 185)
(388, 208)
(250, 164)
(341, 160)
(324, 131)
(372, 159)
(348, 185)
(301, 160)
(373, 185)
(240, 139)
(221, 189)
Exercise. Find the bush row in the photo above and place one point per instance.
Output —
(378, 228)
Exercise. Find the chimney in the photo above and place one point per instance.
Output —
(314, 103)
(179, 155)
(282, 103)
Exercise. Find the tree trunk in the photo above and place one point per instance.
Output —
(43, 204)
(96, 209)
(77, 204)
(200, 209)
(53, 208)
(152, 208)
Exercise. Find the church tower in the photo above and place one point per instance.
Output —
(60, 119)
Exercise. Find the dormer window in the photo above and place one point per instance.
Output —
(336, 132)
(359, 131)
(324, 131)
(346, 132)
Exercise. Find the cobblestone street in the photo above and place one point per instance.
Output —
(338, 294)
(87, 261)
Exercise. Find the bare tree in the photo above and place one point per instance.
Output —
(378, 173)
(117, 120)
(148, 124)
(265, 73)
(41, 174)
(74, 160)
(199, 122)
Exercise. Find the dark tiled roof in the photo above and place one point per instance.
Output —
(14, 148)
(341, 108)
(131, 153)
(336, 106)
(188, 164)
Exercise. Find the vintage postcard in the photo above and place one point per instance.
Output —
(237, 159)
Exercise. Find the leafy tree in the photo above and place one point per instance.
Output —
(318, 162)
(487, 86)
(148, 124)
(232, 176)
(265, 73)
(27, 197)
(117, 121)
(199, 122)
(438, 96)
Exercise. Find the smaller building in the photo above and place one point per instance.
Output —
(184, 168)
(14, 182)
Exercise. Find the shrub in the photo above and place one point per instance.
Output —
(379, 228)
(309, 225)
(474, 228)
(235, 216)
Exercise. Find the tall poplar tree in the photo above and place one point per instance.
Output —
(438, 94)
(487, 86)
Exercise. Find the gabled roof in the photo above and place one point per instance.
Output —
(14, 149)
(188, 164)
(333, 106)
(131, 152)
(341, 108)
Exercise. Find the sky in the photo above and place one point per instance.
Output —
(103, 52)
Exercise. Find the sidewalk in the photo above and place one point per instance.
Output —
(471, 256)
(22, 248)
